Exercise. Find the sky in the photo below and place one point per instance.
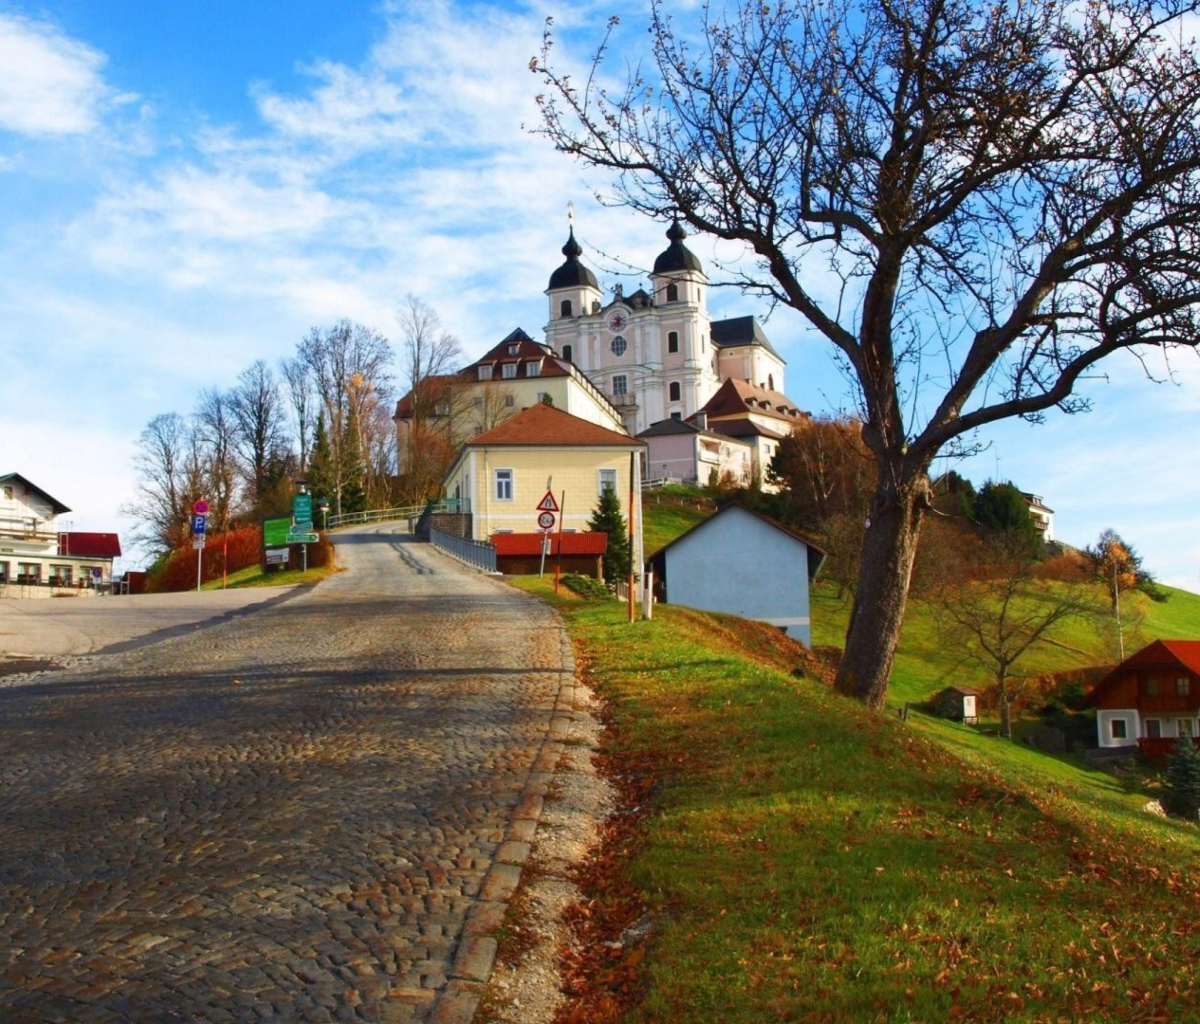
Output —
(190, 187)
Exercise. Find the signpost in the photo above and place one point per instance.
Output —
(199, 529)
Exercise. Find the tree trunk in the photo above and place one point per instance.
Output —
(889, 550)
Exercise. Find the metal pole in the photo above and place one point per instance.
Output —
(199, 559)
(632, 595)
(562, 515)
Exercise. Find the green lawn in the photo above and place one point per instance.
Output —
(809, 860)
(253, 576)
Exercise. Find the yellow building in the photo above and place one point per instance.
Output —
(501, 476)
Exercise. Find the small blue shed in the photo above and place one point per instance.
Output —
(743, 563)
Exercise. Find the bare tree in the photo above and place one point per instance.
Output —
(216, 431)
(296, 374)
(350, 368)
(261, 436)
(430, 356)
(996, 620)
(170, 470)
(1006, 194)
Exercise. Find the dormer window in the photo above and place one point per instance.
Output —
(513, 349)
(485, 371)
(533, 368)
(509, 370)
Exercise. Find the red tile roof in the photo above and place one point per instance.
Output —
(739, 397)
(1160, 653)
(508, 544)
(543, 424)
(89, 545)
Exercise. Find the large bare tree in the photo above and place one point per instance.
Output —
(974, 203)
(170, 466)
(435, 398)
(261, 437)
(350, 367)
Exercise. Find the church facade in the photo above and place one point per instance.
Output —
(656, 354)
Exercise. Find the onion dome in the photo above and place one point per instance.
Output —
(573, 274)
(676, 256)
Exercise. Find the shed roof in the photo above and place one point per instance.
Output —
(90, 545)
(509, 544)
(816, 554)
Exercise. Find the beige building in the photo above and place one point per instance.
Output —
(501, 476)
(515, 374)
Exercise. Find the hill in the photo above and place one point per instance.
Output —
(808, 860)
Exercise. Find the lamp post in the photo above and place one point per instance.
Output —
(323, 506)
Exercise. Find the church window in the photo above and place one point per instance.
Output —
(673, 341)
(565, 308)
(672, 292)
(620, 384)
(675, 391)
(676, 415)
(619, 345)
(567, 353)
(770, 382)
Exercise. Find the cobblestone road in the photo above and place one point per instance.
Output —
(314, 812)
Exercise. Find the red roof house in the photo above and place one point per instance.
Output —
(1150, 699)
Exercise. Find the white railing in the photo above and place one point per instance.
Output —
(381, 515)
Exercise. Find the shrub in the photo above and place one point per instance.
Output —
(1181, 781)
(586, 586)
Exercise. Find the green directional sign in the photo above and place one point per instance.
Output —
(275, 532)
(302, 537)
(302, 510)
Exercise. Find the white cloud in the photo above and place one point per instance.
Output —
(51, 84)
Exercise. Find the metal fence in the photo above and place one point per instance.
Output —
(475, 553)
(380, 515)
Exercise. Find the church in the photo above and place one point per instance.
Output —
(656, 355)
(706, 396)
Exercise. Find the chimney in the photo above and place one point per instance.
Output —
(701, 418)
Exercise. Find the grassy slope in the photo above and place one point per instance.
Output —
(812, 861)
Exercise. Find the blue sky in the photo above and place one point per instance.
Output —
(191, 187)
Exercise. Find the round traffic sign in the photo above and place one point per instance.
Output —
(546, 520)
(201, 507)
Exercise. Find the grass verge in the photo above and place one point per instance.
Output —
(253, 576)
(808, 860)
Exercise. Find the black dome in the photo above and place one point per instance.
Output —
(573, 274)
(676, 256)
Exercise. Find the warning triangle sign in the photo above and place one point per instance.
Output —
(548, 504)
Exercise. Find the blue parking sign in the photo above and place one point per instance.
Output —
(199, 525)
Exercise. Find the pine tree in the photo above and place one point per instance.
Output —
(607, 518)
(1182, 779)
(321, 479)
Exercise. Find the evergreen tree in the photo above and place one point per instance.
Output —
(322, 481)
(607, 518)
(1182, 780)
(1002, 508)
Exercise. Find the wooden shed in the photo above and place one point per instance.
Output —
(520, 554)
(959, 703)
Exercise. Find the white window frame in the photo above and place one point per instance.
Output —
(485, 372)
(504, 480)
(508, 371)
(607, 481)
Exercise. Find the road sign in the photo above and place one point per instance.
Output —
(302, 537)
(198, 542)
(96, 573)
(201, 507)
(275, 531)
(199, 525)
(546, 520)
(302, 508)
(547, 504)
